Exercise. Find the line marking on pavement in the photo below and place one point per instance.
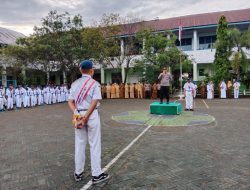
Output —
(205, 104)
(114, 160)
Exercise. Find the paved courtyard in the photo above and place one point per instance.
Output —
(37, 149)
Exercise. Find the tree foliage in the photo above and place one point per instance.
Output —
(238, 43)
(161, 51)
(221, 62)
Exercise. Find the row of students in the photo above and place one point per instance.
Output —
(31, 96)
(225, 90)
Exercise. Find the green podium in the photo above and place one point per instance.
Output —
(173, 108)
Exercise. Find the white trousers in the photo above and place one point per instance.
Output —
(54, 98)
(92, 135)
(223, 93)
(10, 103)
(45, 98)
(33, 101)
(26, 102)
(39, 99)
(189, 100)
(1, 103)
(209, 95)
(18, 101)
(236, 93)
(49, 98)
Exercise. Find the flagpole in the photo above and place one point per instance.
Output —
(180, 73)
(180, 33)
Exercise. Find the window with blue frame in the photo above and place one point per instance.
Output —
(186, 44)
(207, 42)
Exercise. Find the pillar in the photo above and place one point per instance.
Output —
(195, 37)
(102, 75)
(123, 74)
(122, 47)
(195, 77)
(195, 47)
(4, 76)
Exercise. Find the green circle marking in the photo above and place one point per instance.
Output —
(145, 118)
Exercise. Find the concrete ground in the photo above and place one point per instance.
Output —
(37, 149)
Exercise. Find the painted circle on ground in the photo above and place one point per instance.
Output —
(143, 117)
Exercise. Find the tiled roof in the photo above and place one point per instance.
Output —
(9, 36)
(196, 20)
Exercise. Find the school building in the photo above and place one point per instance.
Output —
(198, 38)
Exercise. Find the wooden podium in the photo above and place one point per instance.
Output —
(172, 108)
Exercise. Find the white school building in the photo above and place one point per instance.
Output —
(198, 37)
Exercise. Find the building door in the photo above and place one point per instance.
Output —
(97, 77)
(116, 78)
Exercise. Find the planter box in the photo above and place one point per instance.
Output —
(173, 108)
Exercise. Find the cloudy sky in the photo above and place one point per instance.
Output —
(23, 15)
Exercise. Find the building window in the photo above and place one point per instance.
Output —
(201, 72)
(132, 46)
(206, 42)
(186, 44)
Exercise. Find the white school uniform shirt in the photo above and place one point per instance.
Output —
(236, 85)
(93, 94)
(223, 86)
(2, 93)
(18, 93)
(10, 93)
(189, 87)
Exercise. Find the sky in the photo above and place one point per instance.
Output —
(23, 15)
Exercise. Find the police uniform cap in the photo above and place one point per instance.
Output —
(86, 64)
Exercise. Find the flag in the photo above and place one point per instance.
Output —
(180, 32)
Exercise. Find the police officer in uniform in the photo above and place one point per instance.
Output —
(84, 97)
(165, 77)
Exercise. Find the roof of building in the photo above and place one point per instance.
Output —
(9, 36)
(189, 21)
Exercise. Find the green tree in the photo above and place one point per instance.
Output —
(160, 51)
(221, 62)
(61, 35)
(110, 53)
(238, 43)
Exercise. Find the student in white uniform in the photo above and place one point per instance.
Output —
(53, 94)
(223, 89)
(18, 97)
(39, 96)
(23, 94)
(10, 97)
(210, 90)
(26, 102)
(62, 94)
(32, 97)
(189, 94)
(45, 94)
(84, 97)
(2, 95)
(58, 94)
(236, 89)
(49, 94)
